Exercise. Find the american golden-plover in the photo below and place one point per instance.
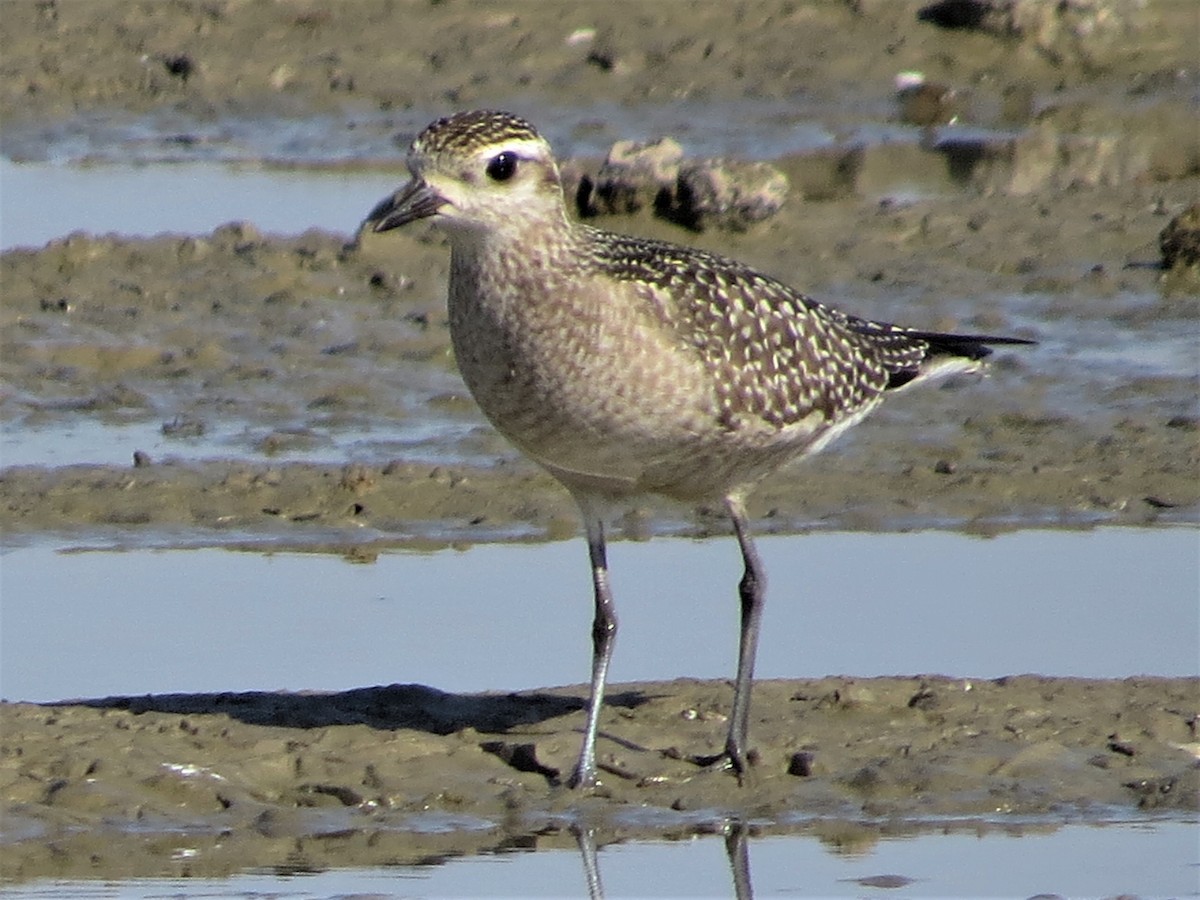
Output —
(628, 367)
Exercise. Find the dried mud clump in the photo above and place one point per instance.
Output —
(1180, 240)
(720, 194)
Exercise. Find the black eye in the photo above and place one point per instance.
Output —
(502, 166)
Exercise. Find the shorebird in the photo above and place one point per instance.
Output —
(627, 367)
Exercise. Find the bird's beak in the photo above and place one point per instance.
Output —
(416, 200)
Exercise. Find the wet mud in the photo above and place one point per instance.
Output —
(1051, 235)
(299, 338)
(403, 773)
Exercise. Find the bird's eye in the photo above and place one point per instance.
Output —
(502, 166)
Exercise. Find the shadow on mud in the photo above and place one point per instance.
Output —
(414, 706)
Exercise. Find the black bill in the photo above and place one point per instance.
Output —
(416, 200)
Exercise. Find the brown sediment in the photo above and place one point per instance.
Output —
(362, 777)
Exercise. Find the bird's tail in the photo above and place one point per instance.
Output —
(947, 354)
(968, 346)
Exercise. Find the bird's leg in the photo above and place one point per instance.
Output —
(604, 633)
(752, 590)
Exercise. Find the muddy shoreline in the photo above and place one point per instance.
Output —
(300, 338)
(1041, 219)
(405, 773)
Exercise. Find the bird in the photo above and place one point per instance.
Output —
(628, 367)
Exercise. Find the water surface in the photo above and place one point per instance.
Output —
(1107, 603)
(1126, 859)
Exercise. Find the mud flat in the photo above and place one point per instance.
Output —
(298, 338)
(402, 773)
(1043, 222)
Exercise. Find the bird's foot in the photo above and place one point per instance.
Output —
(586, 778)
(583, 778)
(728, 760)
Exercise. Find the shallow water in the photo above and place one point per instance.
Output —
(1156, 859)
(761, 128)
(183, 198)
(1105, 604)
(436, 437)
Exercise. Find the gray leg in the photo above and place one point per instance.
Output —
(752, 591)
(604, 633)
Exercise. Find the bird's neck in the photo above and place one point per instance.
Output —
(543, 244)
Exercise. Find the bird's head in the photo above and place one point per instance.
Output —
(476, 171)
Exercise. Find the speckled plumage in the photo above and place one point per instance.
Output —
(627, 366)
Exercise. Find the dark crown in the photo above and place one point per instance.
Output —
(466, 132)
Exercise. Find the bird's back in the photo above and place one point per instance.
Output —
(629, 365)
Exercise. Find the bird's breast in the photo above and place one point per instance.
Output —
(577, 370)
